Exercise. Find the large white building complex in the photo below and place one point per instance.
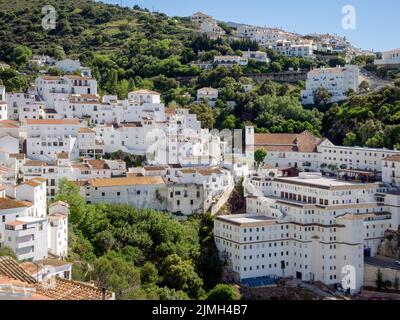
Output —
(313, 211)
(310, 153)
(309, 227)
(338, 81)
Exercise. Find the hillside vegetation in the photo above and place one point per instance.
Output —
(130, 48)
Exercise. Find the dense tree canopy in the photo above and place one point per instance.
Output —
(140, 254)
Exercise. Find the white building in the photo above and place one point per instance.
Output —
(57, 241)
(302, 50)
(72, 171)
(210, 94)
(308, 227)
(23, 106)
(68, 65)
(390, 59)
(27, 237)
(10, 136)
(229, 61)
(139, 192)
(258, 56)
(200, 18)
(44, 270)
(3, 104)
(336, 80)
(48, 138)
(51, 88)
(211, 29)
(391, 170)
(310, 153)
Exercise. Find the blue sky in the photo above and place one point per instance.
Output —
(376, 24)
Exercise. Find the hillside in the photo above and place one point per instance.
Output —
(129, 48)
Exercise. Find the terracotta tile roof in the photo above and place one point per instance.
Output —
(170, 110)
(209, 171)
(7, 203)
(20, 290)
(36, 163)
(60, 289)
(9, 124)
(86, 130)
(89, 96)
(98, 164)
(15, 223)
(303, 142)
(32, 268)
(62, 155)
(61, 203)
(395, 158)
(4, 169)
(11, 269)
(19, 156)
(115, 182)
(56, 216)
(72, 290)
(155, 168)
(144, 91)
(35, 182)
(73, 77)
(52, 122)
(47, 78)
(80, 166)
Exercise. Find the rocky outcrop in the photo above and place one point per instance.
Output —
(390, 246)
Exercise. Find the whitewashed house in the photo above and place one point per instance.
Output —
(391, 170)
(27, 237)
(58, 229)
(51, 88)
(209, 94)
(139, 192)
(48, 138)
(337, 81)
(229, 61)
(390, 59)
(258, 56)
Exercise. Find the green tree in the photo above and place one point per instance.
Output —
(350, 140)
(180, 275)
(21, 55)
(204, 114)
(69, 192)
(7, 252)
(223, 292)
(115, 273)
(321, 97)
(229, 122)
(259, 156)
(149, 273)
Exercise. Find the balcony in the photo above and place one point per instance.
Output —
(25, 244)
